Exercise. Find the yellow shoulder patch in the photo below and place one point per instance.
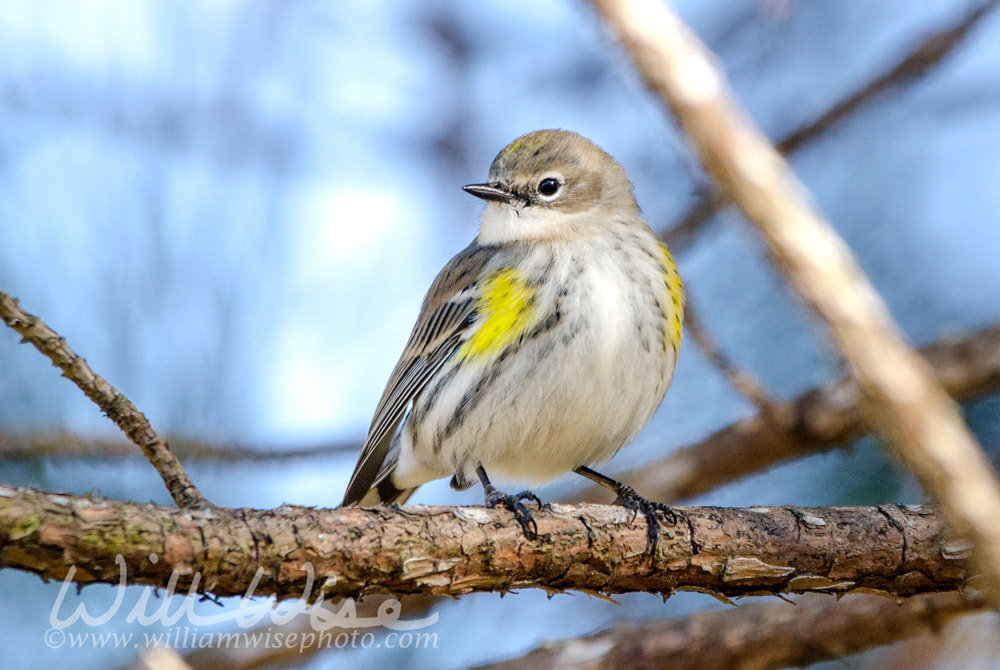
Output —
(507, 309)
(676, 290)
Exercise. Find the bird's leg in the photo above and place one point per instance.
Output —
(523, 515)
(630, 500)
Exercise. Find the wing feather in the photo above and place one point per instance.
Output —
(445, 321)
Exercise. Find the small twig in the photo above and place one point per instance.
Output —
(757, 636)
(116, 406)
(930, 52)
(819, 420)
(743, 381)
(903, 401)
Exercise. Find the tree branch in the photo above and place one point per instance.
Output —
(931, 51)
(744, 382)
(756, 636)
(818, 420)
(66, 445)
(118, 408)
(902, 399)
(821, 419)
(458, 550)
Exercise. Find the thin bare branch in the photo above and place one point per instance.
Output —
(118, 408)
(65, 445)
(824, 418)
(741, 380)
(902, 399)
(928, 53)
(457, 550)
(756, 636)
(931, 51)
(819, 420)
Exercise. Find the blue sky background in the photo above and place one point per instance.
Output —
(233, 209)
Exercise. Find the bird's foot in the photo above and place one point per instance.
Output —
(632, 501)
(523, 515)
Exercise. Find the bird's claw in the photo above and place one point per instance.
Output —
(632, 501)
(513, 503)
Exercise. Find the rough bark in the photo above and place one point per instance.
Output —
(458, 550)
(902, 400)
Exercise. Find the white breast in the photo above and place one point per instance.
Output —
(574, 394)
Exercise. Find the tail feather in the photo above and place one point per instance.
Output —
(386, 493)
(382, 492)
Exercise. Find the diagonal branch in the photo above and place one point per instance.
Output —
(118, 408)
(744, 382)
(902, 400)
(459, 550)
(757, 636)
(819, 420)
(930, 52)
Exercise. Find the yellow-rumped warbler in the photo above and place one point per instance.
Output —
(543, 347)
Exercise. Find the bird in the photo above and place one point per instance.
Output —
(540, 349)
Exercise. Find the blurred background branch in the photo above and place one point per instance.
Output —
(63, 445)
(110, 400)
(756, 636)
(740, 379)
(928, 53)
(824, 418)
(902, 399)
(236, 222)
(820, 419)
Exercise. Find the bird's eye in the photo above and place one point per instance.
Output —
(549, 186)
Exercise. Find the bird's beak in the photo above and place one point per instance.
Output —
(488, 193)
